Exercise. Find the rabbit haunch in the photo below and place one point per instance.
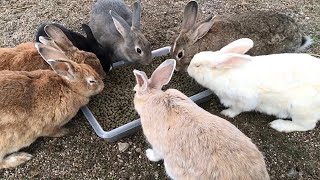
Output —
(271, 31)
(193, 143)
(285, 85)
(25, 56)
(40, 102)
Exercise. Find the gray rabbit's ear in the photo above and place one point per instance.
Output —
(121, 25)
(162, 75)
(190, 16)
(201, 29)
(136, 14)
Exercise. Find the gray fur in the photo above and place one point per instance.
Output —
(103, 16)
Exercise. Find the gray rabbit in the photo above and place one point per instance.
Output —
(116, 27)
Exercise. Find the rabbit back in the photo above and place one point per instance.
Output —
(102, 24)
(197, 144)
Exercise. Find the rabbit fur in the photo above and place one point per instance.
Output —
(271, 31)
(193, 143)
(116, 27)
(25, 56)
(89, 43)
(285, 85)
(29, 105)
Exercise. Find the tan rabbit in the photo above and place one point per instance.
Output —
(39, 103)
(193, 143)
(25, 56)
(272, 33)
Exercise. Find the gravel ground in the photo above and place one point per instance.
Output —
(83, 155)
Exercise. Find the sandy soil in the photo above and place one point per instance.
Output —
(83, 155)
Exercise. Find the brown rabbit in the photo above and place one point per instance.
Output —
(272, 33)
(193, 143)
(25, 56)
(39, 103)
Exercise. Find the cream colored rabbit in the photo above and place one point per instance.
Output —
(193, 143)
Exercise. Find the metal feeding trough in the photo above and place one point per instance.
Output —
(133, 126)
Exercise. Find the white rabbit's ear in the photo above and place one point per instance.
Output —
(240, 46)
(201, 29)
(229, 61)
(142, 80)
(121, 25)
(162, 75)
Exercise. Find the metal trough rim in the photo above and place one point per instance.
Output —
(133, 126)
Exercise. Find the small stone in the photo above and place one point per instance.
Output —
(138, 150)
(123, 146)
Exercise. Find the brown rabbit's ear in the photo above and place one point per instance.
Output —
(162, 75)
(232, 60)
(48, 52)
(189, 16)
(201, 29)
(63, 68)
(142, 80)
(57, 35)
(48, 42)
(240, 46)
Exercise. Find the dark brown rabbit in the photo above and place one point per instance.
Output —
(39, 103)
(271, 31)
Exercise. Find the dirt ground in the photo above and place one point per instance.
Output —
(83, 155)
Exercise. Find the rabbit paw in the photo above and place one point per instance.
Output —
(15, 159)
(230, 112)
(59, 132)
(152, 156)
(288, 126)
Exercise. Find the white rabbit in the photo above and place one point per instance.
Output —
(193, 143)
(284, 85)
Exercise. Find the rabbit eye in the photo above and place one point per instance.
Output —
(180, 55)
(92, 81)
(139, 50)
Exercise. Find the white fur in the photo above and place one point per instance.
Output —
(284, 85)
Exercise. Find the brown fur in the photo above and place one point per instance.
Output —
(194, 144)
(25, 56)
(272, 33)
(39, 103)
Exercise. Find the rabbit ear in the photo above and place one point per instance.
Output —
(89, 33)
(48, 52)
(201, 29)
(63, 68)
(142, 80)
(121, 25)
(239, 46)
(230, 60)
(136, 14)
(59, 38)
(162, 75)
(48, 42)
(189, 16)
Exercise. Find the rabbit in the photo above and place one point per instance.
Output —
(271, 31)
(29, 106)
(285, 85)
(89, 43)
(25, 56)
(116, 27)
(193, 143)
